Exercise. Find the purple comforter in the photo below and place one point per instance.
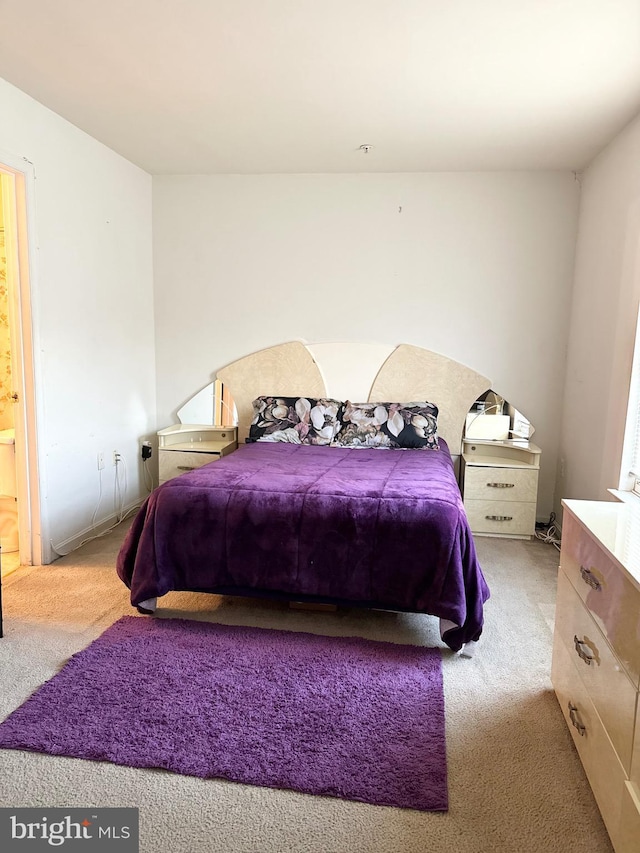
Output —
(381, 528)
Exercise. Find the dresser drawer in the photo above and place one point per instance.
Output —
(628, 840)
(611, 598)
(172, 463)
(606, 682)
(511, 518)
(500, 484)
(604, 772)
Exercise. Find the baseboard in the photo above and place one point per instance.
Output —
(67, 545)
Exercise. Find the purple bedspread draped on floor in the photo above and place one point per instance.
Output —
(383, 528)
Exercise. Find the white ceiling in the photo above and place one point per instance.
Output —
(251, 86)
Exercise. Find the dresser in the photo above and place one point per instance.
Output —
(184, 447)
(500, 486)
(596, 656)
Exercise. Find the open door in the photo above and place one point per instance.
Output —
(14, 216)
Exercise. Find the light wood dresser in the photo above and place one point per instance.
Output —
(596, 656)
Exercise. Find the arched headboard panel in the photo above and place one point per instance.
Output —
(286, 369)
(412, 373)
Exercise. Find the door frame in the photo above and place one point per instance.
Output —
(17, 177)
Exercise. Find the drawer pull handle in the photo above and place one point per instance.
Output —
(186, 467)
(499, 517)
(575, 722)
(589, 578)
(580, 649)
(501, 485)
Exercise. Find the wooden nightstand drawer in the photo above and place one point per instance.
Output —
(172, 463)
(607, 683)
(500, 484)
(507, 518)
(612, 599)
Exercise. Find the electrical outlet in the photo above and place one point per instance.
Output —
(100, 461)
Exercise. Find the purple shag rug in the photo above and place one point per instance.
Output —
(338, 716)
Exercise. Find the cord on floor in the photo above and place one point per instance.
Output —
(549, 533)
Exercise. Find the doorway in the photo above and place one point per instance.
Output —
(20, 537)
(9, 533)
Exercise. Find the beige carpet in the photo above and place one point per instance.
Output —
(515, 782)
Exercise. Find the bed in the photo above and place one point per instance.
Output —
(345, 525)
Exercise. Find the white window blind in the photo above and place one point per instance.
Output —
(629, 529)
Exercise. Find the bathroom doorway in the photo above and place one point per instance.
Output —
(19, 493)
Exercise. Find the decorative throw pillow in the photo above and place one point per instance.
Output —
(299, 420)
(390, 425)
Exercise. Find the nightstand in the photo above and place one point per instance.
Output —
(500, 486)
(184, 447)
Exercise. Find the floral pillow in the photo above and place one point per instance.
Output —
(299, 420)
(391, 425)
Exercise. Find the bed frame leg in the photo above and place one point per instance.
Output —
(469, 649)
(148, 606)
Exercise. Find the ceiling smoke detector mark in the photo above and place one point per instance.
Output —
(365, 148)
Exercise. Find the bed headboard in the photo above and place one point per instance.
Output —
(409, 373)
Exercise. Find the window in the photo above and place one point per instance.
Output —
(630, 471)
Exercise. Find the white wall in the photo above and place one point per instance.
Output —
(93, 311)
(475, 266)
(603, 321)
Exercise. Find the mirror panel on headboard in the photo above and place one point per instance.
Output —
(200, 408)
